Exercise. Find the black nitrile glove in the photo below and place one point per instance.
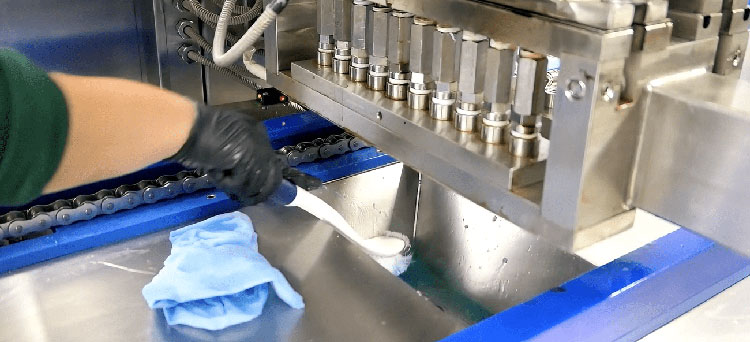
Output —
(234, 150)
(301, 179)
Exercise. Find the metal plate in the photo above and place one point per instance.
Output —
(96, 295)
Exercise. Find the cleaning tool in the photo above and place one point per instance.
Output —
(391, 250)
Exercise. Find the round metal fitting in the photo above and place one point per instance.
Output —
(466, 118)
(325, 58)
(423, 21)
(358, 74)
(182, 25)
(376, 82)
(179, 6)
(465, 122)
(398, 86)
(396, 91)
(494, 129)
(524, 141)
(184, 50)
(341, 66)
(575, 90)
(442, 106)
(377, 77)
(418, 101)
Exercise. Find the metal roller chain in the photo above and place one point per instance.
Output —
(16, 225)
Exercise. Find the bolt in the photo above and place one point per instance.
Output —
(608, 94)
(110, 206)
(18, 229)
(576, 90)
(88, 211)
(65, 217)
(737, 58)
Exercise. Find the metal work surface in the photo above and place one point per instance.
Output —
(96, 295)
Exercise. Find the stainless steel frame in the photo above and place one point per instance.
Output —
(581, 186)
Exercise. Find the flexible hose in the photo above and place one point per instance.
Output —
(248, 39)
(239, 9)
(204, 14)
(203, 43)
(255, 69)
(225, 71)
(230, 36)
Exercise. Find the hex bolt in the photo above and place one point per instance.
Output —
(470, 81)
(608, 93)
(420, 63)
(497, 92)
(399, 38)
(360, 61)
(342, 13)
(446, 51)
(326, 28)
(575, 90)
(529, 102)
(378, 31)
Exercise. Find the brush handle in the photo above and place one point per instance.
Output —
(284, 194)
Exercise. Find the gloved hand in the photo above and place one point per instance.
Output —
(234, 150)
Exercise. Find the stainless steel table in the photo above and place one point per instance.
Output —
(96, 295)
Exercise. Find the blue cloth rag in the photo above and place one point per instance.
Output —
(215, 276)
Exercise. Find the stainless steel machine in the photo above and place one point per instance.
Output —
(505, 136)
(646, 110)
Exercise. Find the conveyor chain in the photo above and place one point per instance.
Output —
(321, 148)
(17, 224)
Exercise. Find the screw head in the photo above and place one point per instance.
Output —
(110, 206)
(575, 90)
(65, 217)
(608, 93)
(737, 58)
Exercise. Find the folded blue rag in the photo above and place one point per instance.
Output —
(215, 276)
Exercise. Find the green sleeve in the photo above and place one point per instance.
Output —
(33, 129)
